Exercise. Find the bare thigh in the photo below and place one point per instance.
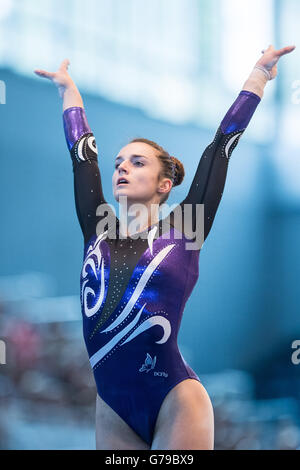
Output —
(185, 420)
(112, 433)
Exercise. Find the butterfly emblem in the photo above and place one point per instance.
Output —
(149, 364)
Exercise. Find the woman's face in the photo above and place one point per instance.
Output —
(138, 164)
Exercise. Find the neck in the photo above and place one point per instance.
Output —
(137, 217)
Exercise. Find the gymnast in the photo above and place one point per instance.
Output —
(135, 283)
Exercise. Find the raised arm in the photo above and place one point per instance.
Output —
(209, 181)
(83, 151)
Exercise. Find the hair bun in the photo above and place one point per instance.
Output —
(179, 171)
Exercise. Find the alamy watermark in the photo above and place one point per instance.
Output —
(187, 220)
(2, 352)
(2, 92)
(296, 354)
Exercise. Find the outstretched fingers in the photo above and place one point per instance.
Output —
(64, 65)
(51, 75)
(285, 50)
(45, 74)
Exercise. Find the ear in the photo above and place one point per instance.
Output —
(165, 185)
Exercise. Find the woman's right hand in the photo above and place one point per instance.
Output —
(61, 78)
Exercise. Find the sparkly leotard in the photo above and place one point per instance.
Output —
(133, 290)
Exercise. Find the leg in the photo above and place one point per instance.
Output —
(112, 433)
(185, 420)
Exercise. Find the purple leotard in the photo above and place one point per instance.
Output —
(134, 290)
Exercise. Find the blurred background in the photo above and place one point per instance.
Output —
(167, 70)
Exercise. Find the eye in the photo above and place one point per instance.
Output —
(140, 163)
(116, 165)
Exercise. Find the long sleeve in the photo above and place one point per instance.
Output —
(87, 178)
(209, 181)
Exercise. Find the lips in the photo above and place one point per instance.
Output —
(121, 181)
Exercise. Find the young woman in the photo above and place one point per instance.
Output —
(135, 283)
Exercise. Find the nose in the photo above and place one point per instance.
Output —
(122, 168)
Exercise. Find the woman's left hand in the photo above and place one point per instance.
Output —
(271, 57)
